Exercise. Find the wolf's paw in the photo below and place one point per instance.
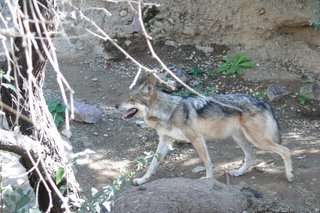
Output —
(139, 181)
(210, 176)
(290, 177)
(235, 172)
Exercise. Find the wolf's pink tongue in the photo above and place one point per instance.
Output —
(130, 113)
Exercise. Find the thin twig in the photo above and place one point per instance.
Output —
(22, 116)
(135, 78)
(154, 55)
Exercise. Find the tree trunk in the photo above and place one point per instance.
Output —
(28, 76)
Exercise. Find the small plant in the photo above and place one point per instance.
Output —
(261, 95)
(57, 110)
(58, 179)
(303, 98)
(308, 81)
(235, 64)
(105, 196)
(17, 200)
(183, 92)
(195, 70)
(211, 90)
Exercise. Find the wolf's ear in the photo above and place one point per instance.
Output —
(151, 79)
(149, 85)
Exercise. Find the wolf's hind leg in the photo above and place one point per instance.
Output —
(249, 156)
(262, 140)
(165, 143)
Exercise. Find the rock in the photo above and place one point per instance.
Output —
(185, 195)
(198, 169)
(171, 43)
(127, 43)
(123, 13)
(276, 92)
(207, 49)
(66, 133)
(309, 76)
(312, 90)
(86, 113)
(141, 123)
(262, 11)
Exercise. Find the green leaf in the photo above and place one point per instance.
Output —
(13, 198)
(23, 201)
(62, 189)
(228, 59)
(240, 57)
(247, 64)
(232, 70)
(195, 70)
(10, 86)
(60, 107)
(52, 104)
(20, 191)
(57, 119)
(9, 78)
(59, 175)
(240, 71)
(94, 191)
(223, 68)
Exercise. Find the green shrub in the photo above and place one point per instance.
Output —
(235, 64)
(303, 98)
(195, 70)
(57, 110)
(105, 196)
(17, 200)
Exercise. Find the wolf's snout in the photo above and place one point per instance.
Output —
(117, 106)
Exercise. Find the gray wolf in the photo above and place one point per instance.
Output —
(197, 119)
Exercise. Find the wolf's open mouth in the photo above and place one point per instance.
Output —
(130, 113)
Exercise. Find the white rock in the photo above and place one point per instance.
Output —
(66, 133)
(198, 169)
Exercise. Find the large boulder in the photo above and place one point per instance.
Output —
(186, 195)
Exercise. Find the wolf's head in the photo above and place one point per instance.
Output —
(140, 98)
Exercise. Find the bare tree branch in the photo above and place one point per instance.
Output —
(17, 143)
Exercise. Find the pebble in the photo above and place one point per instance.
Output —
(123, 13)
(66, 133)
(94, 79)
(198, 169)
(95, 133)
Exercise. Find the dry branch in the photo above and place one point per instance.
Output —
(17, 143)
(37, 140)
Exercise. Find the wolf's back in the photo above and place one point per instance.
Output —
(238, 105)
(253, 107)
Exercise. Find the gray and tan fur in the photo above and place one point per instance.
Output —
(197, 119)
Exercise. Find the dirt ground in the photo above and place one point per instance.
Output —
(117, 141)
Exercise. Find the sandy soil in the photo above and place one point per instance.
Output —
(117, 142)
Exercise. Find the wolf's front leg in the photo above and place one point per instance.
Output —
(200, 145)
(165, 143)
